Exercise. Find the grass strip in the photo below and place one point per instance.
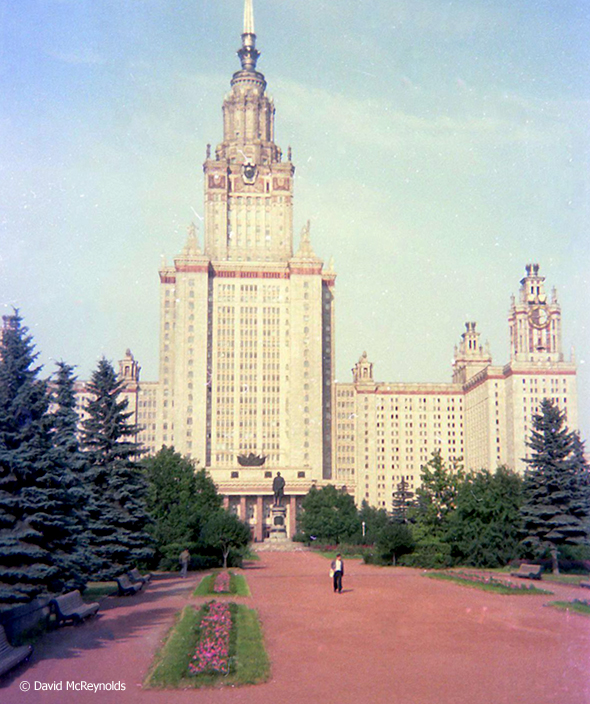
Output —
(253, 665)
(574, 579)
(249, 661)
(205, 587)
(580, 607)
(492, 586)
(237, 586)
(170, 664)
(330, 555)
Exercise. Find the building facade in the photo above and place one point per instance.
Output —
(481, 419)
(246, 338)
(246, 376)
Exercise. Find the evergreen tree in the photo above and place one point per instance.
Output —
(437, 495)
(72, 468)
(484, 529)
(556, 509)
(402, 501)
(118, 517)
(27, 568)
(436, 501)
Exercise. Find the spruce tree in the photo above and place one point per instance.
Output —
(117, 514)
(27, 568)
(555, 510)
(72, 466)
(401, 500)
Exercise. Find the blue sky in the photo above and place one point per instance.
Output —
(439, 146)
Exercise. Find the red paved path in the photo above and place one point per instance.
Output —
(392, 637)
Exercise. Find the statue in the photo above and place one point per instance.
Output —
(278, 486)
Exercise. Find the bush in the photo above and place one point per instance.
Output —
(393, 541)
(300, 538)
(371, 558)
(431, 554)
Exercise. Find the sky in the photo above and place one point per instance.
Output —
(439, 146)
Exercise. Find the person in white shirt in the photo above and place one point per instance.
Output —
(337, 568)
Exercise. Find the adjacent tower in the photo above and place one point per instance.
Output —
(246, 354)
(537, 368)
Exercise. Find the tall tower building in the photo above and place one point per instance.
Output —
(537, 367)
(247, 346)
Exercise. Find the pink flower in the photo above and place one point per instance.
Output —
(212, 653)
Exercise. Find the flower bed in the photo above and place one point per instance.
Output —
(212, 653)
(221, 583)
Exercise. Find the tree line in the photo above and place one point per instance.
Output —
(477, 518)
(77, 502)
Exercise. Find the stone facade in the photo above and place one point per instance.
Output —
(246, 335)
(482, 419)
(247, 350)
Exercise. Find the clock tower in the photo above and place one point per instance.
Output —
(535, 321)
(248, 186)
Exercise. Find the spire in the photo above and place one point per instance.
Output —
(248, 18)
(248, 53)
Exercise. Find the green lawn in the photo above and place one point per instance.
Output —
(565, 578)
(98, 590)
(581, 607)
(237, 585)
(488, 585)
(332, 555)
(250, 663)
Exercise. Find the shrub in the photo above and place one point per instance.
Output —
(430, 554)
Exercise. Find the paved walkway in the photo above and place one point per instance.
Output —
(391, 637)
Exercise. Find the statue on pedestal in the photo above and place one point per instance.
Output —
(278, 487)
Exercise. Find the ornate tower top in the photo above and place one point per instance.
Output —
(248, 53)
(535, 321)
(362, 372)
(248, 186)
(470, 356)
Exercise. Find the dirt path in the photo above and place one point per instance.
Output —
(391, 637)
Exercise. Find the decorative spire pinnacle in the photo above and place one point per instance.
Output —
(192, 243)
(248, 53)
(248, 17)
(305, 249)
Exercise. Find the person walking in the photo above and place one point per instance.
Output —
(184, 559)
(337, 570)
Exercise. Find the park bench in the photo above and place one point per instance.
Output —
(11, 656)
(126, 586)
(528, 571)
(70, 607)
(585, 584)
(135, 576)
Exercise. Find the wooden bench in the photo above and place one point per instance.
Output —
(135, 576)
(11, 656)
(528, 571)
(126, 587)
(70, 607)
(585, 584)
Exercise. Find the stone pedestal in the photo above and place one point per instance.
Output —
(278, 523)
